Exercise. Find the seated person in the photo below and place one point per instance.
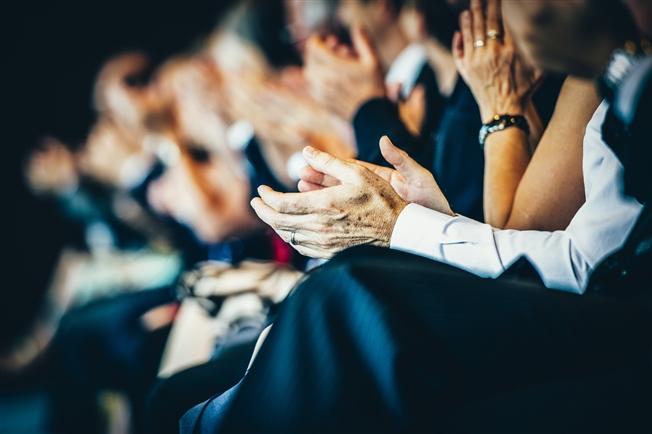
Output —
(405, 209)
(380, 341)
(447, 144)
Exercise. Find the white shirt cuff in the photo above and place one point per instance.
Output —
(456, 240)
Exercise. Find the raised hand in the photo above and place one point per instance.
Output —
(486, 57)
(342, 78)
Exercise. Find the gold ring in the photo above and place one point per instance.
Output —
(493, 34)
(479, 43)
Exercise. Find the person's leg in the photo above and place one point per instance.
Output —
(382, 341)
(104, 346)
(170, 398)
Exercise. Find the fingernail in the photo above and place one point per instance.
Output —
(466, 15)
(261, 188)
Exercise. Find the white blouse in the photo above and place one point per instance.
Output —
(564, 259)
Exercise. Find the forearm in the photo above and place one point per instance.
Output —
(507, 155)
(552, 189)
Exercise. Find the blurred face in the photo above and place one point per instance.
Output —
(565, 36)
(202, 191)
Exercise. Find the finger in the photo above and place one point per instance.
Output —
(314, 252)
(363, 45)
(312, 176)
(288, 203)
(317, 51)
(458, 46)
(467, 33)
(384, 172)
(494, 17)
(307, 186)
(332, 166)
(308, 241)
(477, 14)
(280, 221)
(507, 37)
(398, 158)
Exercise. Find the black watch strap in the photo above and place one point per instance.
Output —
(500, 123)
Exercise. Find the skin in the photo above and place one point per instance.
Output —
(51, 168)
(340, 79)
(543, 190)
(524, 188)
(380, 21)
(345, 203)
(207, 196)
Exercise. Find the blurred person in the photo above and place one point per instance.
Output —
(445, 141)
(352, 84)
(121, 92)
(257, 66)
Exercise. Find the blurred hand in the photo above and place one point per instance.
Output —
(52, 169)
(362, 208)
(411, 181)
(342, 79)
(285, 119)
(486, 57)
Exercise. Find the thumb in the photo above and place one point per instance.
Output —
(330, 165)
(401, 161)
(363, 45)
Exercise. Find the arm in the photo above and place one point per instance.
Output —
(564, 259)
(545, 190)
(551, 188)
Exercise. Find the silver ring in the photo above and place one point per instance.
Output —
(293, 241)
(493, 34)
(479, 43)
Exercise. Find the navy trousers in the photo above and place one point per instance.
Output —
(381, 341)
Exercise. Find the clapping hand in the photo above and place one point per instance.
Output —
(486, 57)
(342, 78)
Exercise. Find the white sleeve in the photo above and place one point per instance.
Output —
(564, 259)
(457, 240)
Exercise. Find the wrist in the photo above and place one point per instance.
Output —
(386, 234)
(489, 112)
(501, 123)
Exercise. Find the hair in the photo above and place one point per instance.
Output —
(441, 20)
(614, 16)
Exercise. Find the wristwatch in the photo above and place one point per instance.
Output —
(500, 123)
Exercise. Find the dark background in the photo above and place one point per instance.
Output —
(51, 54)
